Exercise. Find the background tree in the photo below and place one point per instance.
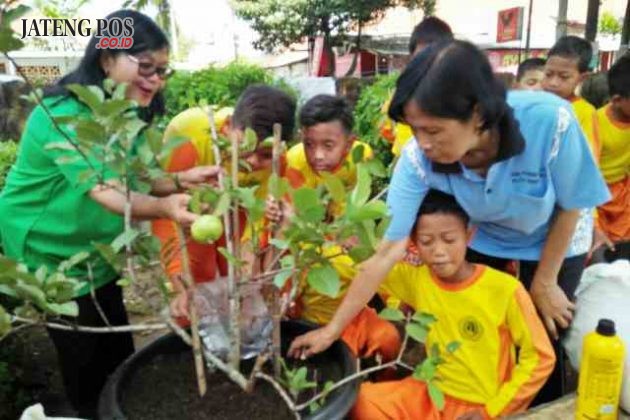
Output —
(281, 23)
(609, 24)
(427, 6)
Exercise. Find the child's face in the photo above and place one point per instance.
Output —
(442, 240)
(326, 145)
(562, 76)
(621, 107)
(531, 80)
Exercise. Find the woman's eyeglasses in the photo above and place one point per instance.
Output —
(148, 68)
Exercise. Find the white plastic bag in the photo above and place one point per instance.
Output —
(211, 300)
(604, 292)
(36, 412)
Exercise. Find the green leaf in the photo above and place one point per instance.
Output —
(223, 204)
(391, 314)
(90, 131)
(325, 280)
(109, 255)
(335, 187)
(281, 278)
(436, 395)
(288, 261)
(92, 96)
(376, 168)
(154, 140)
(231, 258)
(370, 211)
(453, 346)
(124, 282)
(417, 332)
(424, 318)
(309, 208)
(250, 140)
(6, 290)
(114, 107)
(41, 273)
(67, 309)
(360, 253)
(60, 145)
(382, 226)
(32, 293)
(281, 244)
(278, 186)
(357, 153)
(435, 351)
(124, 239)
(314, 406)
(363, 188)
(72, 261)
(65, 160)
(5, 322)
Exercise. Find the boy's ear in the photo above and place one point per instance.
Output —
(470, 233)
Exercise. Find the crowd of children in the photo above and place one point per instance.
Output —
(507, 355)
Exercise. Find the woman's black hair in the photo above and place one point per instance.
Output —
(260, 106)
(147, 36)
(455, 80)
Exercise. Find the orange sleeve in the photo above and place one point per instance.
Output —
(535, 362)
(182, 158)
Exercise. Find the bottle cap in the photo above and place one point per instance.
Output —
(606, 327)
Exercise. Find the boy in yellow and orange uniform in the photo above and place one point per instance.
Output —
(488, 312)
(611, 134)
(566, 68)
(258, 108)
(328, 145)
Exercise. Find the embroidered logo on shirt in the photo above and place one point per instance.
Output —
(413, 153)
(470, 328)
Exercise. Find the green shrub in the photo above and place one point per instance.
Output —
(368, 115)
(215, 85)
(8, 153)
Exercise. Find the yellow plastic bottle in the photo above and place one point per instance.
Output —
(601, 373)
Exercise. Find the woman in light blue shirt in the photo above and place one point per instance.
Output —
(518, 164)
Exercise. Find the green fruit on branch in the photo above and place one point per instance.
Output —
(207, 229)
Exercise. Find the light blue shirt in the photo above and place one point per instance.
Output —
(512, 207)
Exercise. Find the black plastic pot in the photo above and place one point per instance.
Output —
(336, 406)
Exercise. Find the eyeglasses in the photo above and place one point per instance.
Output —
(148, 68)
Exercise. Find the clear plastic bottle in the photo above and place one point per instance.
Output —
(601, 373)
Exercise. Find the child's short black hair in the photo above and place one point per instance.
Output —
(575, 48)
(438, 202)
(430, 30)
(595, 89)
(260, 107)
(534, 63)
(327, 108)
(619, 77)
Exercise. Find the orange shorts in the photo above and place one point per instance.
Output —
(614, 216)
(368, 335)
(406, 399)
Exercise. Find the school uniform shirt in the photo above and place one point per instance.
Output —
(193, 125)
(549, 167)
(46, 212)
(398, 134)
(489, 315)
(612, 139)
(316, 307)
(584, 113)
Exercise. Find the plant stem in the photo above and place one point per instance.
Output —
(234, 374)
(233, 278)
(97, 305)
(287, 399)
(276, 310)
(87, 329)
(347, 379)
(233, 297)
(194, 317)
(260, 361)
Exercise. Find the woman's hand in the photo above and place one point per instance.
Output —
(552, 304)
(198, 175)
(313, 342)
(175, 207)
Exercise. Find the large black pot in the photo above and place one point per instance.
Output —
(336, 406)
